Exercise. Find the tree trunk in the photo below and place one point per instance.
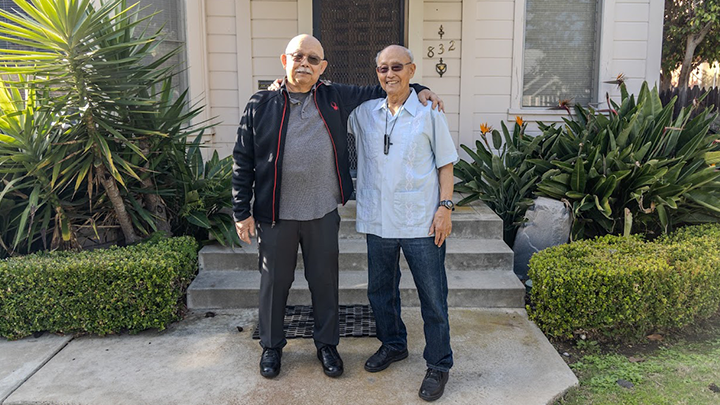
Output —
(687, 65)
(153, 202)
(156, 205)
(113, 192)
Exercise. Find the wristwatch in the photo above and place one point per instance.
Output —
(447, 204)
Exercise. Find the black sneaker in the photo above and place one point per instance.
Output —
(270, 362)
(383, 358)
(433, 384)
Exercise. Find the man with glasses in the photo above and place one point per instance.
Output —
(404, 191)
(291, 154)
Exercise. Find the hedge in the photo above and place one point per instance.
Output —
(102, 291)
(624, 287)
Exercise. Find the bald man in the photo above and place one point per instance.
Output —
(291, 154)
(405, 187)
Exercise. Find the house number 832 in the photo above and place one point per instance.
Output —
(441, 49)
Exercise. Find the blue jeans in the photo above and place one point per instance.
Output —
(427, 264)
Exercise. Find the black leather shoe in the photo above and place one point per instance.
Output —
(433, 384)
(331, 361)
(270, 362)
(383, 357)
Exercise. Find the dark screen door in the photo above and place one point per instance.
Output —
(353, 31)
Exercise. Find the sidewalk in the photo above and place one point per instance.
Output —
(500, 358)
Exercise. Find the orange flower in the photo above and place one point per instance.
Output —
(519, 120)
(485, 128)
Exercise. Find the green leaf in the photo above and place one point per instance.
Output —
(199, 219)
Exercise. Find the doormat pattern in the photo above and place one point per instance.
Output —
(355, 321)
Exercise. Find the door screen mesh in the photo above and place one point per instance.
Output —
(352, 32)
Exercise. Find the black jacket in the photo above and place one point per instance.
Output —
(258, 151)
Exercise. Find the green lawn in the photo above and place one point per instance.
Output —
(680, 374)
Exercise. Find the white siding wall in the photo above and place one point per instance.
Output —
(637, 39)
(244, 39)
(223, 100)
(447, 13)
(492, 26)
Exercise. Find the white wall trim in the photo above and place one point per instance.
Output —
(467, 76)
(653, 61)
(243, 35)
(416, 16)
(198, 73)
(606, 52)
(516, 76)
(305, 17)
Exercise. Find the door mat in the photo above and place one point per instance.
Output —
(355, 321)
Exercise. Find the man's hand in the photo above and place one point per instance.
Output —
(275, 85)
(245, 229)
(441, 225)
(437, 102)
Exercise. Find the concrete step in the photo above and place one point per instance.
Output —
(461, 254)
(473, 221)
(468, 288)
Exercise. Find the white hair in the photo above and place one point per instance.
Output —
(407, 52)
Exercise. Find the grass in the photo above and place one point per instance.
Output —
(682, 370)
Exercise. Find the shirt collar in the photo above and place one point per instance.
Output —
(411, 105)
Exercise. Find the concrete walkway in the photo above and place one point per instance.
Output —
(500, 358)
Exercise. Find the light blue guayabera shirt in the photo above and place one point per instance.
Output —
(398, 193)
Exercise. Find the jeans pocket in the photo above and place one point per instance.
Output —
(410, 208)
(367, 205)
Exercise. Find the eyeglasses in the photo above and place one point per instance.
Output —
(398, 67)
(312, 59)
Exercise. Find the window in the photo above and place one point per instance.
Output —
(172, 14)
(560, 52)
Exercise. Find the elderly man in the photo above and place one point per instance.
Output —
(291, 154)
(404, 191)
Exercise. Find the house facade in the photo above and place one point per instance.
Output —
(489, 60)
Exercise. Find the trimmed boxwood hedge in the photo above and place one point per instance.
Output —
(623, 287)
(101, 291)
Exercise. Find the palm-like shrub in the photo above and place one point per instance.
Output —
(92, 132)
(94, 63)
(634, 170)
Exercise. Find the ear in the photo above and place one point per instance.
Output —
(283, 59)
(412, 70)
(323, 66)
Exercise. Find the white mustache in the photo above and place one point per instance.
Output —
(303, 71)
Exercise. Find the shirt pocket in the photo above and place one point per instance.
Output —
(409, 208)
(367, 205)
(372, 146)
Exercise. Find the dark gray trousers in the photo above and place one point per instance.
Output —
(278, 247)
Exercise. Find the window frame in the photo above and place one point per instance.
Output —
(604, 41)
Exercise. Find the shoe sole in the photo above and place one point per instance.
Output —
(433, 398)
(270, 375)
(386, 365)
(333, 375)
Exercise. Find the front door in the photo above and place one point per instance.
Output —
(353, 31)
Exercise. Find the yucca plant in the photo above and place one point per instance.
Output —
(634, 170)
(94, 64)
(34, 158)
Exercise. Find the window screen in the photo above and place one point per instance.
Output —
(171, 13)
(560, 52)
